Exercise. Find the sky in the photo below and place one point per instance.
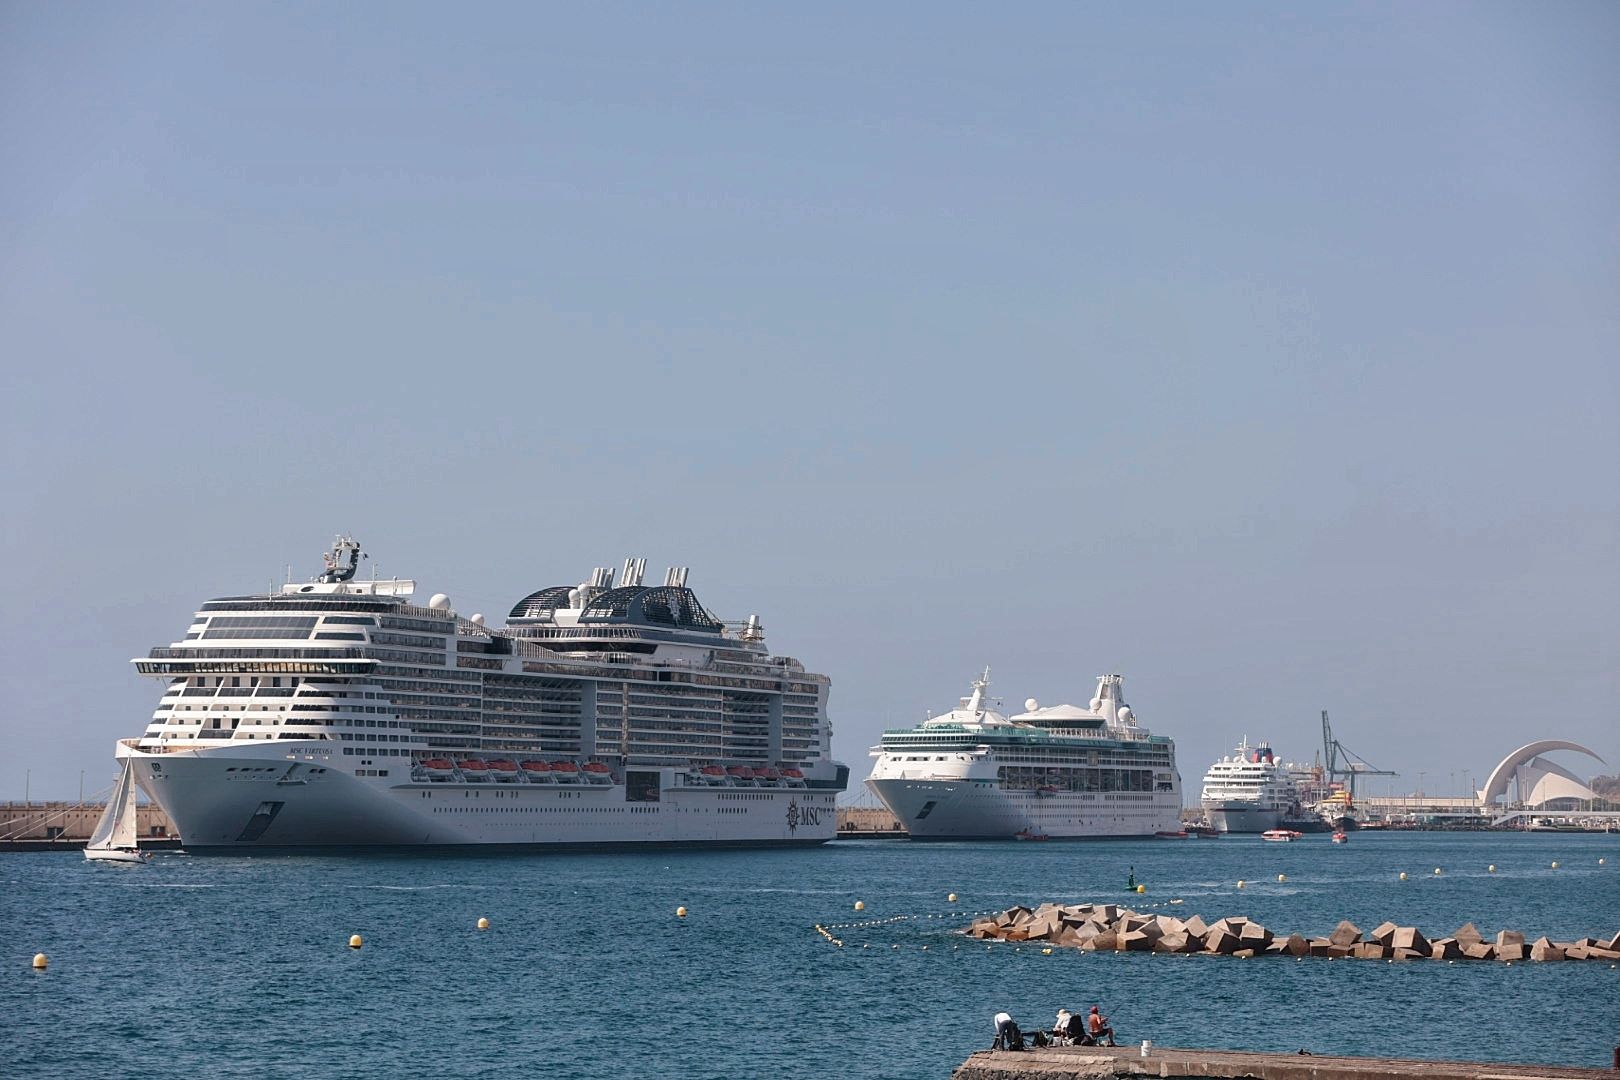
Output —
(1266, 354)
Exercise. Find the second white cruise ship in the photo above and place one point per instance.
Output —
(1250, 791)
(1057, 772)
(340, 713)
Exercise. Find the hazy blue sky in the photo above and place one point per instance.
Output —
(1269, 355)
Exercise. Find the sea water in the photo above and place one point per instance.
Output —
(239, 966)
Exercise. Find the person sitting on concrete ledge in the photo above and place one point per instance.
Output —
(1008, 1037)
(1099, 1029)
(1070, 1030)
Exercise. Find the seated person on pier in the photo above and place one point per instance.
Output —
(1098, 1027)
(1070, 1030)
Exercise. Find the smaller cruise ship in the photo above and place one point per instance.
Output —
(1250, 791)
(1063, 771)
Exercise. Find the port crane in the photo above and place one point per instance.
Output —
(1345, 763)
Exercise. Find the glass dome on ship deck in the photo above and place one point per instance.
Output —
(662, 605)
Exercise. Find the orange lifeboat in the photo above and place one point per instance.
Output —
(598, 773)
(566, 772)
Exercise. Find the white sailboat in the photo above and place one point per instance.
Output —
(114, 838)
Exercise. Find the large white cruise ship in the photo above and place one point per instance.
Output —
(1061, 771)
(339, 713)
(1250, 791)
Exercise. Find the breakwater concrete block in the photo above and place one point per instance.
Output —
(1542, 949)
(1383, 933)
(1468, 934)
(1254, 936)
(1505, 938)
(1372, 950)
(1409, 937)
(1296, 945)
(1195, 926)
(1479, 950)
(1445, 949)
(1345, 934)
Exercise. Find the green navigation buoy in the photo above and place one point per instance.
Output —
(1130, 883)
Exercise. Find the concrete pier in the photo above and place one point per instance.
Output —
(1063, 1062)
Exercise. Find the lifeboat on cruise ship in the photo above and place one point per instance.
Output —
(713, 774)
(437, 768)
(793, 777)
(538, 772)
(503, 769)
(741, 775)
(566, 772)
(473, 769)
(598, 773)
(767, 777)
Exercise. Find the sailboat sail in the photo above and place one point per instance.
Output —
(116, 829)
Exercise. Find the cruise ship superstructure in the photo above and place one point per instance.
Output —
(340, 713)
(1055, 772)
(1250, 791)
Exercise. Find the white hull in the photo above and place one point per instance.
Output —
(286, 800)
(979, 810)
(118, 855)
(1237, 818)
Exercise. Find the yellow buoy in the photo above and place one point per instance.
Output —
(1141, 888)
(860, 905)
(1241, 883)
(40, 961)
(951, 899)
(1555, 864)
(1403, 875)
(1282, 877)
(355, 941)
(1044, 952)
(1491, 868)
(680, 913)
(483, 924)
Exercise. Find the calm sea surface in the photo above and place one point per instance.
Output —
(238, 967)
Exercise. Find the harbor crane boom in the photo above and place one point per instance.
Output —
(1342, 762)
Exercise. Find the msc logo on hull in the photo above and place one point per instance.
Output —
(806, 815)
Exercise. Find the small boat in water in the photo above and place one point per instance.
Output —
(1030, 834)
(1280, 836)
(114, 838)
(1341, 837)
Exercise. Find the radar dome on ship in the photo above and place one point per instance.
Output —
(439, 602)
(1030, 704)
(477, 620)
(1096, 703)
(1125, 714)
